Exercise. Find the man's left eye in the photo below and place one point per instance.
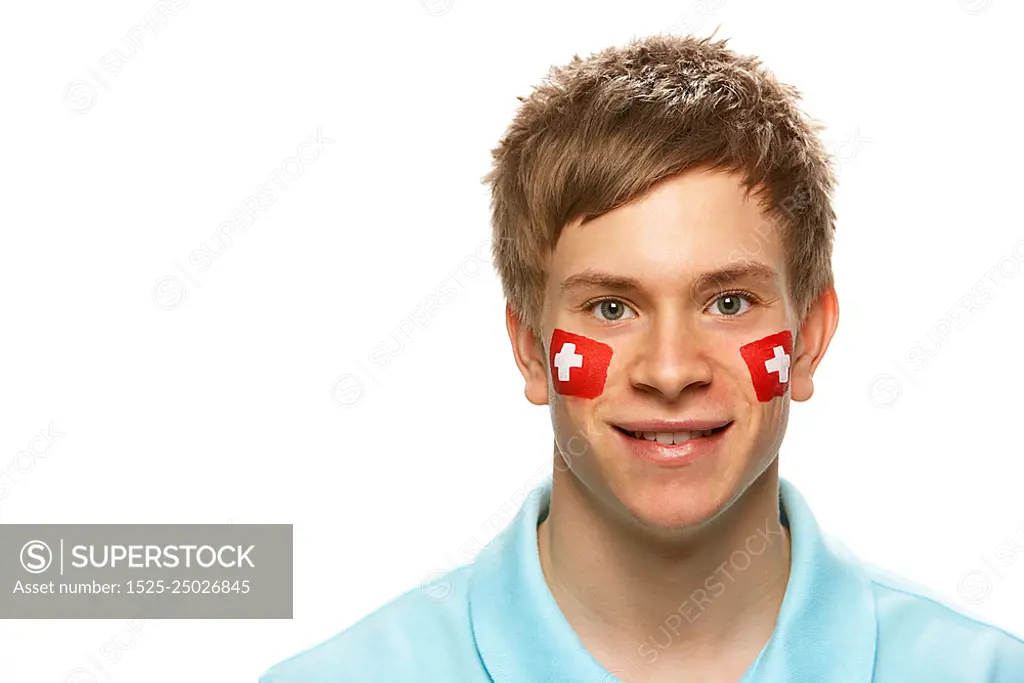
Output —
(731, 304)
(612, 310)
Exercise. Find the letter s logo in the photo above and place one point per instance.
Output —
(36, 557)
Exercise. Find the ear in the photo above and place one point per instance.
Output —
(816, 332)
(530, 357)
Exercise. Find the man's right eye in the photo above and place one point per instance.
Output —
(612, 310)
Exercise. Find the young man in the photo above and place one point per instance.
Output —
(663, 232)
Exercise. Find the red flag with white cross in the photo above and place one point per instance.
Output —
(579, 365)
(768, 360)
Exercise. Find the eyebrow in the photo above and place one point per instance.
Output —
(741, 271)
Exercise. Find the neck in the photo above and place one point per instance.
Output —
(631, 596)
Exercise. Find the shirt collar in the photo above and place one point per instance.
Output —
(826, 628)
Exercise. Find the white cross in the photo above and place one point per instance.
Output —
(566, 359)
(779, 364)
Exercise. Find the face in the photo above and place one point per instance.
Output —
(667, 290)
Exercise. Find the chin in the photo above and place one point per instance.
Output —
(674, 503)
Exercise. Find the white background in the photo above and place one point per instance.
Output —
(220, 401)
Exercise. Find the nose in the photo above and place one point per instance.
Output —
(671, 359)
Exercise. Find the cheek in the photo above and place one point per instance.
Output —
(579, 365)
(579, 368)
(768, 363)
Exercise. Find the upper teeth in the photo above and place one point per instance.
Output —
(670, 437)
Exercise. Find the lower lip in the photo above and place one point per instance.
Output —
(673, 455)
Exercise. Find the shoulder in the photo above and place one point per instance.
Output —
(924, 636)
(422, 635)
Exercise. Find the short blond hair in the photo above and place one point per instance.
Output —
(600, 132)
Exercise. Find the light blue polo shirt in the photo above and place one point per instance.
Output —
(495, 620)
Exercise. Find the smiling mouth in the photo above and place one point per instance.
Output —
(671, 438)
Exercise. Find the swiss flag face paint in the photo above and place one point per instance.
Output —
(768, 360)
(579, 365)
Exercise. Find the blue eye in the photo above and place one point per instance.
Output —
(612, 310)
(730, 304)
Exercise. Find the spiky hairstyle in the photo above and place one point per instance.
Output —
(601, 132)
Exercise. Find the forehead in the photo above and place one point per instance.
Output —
(688, 224)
